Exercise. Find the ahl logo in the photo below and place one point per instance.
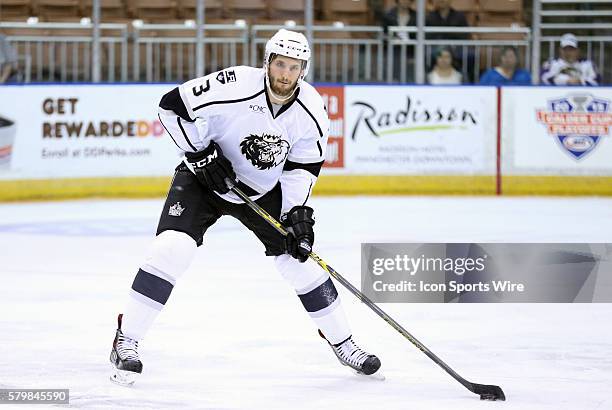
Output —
(176, 210)
(228, 76)
(578, 122)
(265, 151)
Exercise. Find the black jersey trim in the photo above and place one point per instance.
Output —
(172, 101)
(309, 192)
(178, 120)
(311, 116)
(314, 167)
(171, 137)
(228, 101)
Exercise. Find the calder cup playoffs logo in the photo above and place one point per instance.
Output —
(265, 151)
(578, 122)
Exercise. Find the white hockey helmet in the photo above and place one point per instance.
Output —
(289, 44)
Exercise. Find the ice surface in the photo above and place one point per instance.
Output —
(234, 335)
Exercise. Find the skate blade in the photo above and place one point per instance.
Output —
(378, 376)
(123, 377)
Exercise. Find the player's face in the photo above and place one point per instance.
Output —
(569, 54)
(284, 73)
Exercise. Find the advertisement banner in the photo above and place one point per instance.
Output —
(414, 130)
(557, 130)
(83, 131)
(333, 97)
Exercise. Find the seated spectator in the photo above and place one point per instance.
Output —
(446, 16)
(507, 72)
(400, 15)
(569, 68)
(8, 62)
(443, 71)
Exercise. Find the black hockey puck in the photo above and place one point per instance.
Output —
(490, 397)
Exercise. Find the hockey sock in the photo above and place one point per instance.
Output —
(318, 296)
(169, 256)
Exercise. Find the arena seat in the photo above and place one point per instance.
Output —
(500, 12)
(15, 10)
(501, 5)
(354, 12)
(499, 19)
(213, 9)
(282, 10)
(57, 10)
(250, 10)
(110, 10)
(153, 11)
(465, 5)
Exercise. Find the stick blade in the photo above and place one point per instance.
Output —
(488, 392)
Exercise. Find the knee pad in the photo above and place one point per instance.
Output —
(170, 255)
(302, 276)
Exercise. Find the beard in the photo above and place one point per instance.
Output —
(282, 90)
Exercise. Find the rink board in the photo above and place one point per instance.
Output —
(556, 141)
(56, 142)
(326, 185)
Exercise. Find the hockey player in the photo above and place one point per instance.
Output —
(266, 131)
(569, 68)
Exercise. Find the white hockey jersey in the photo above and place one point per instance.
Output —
(232, 108)
(559, 72)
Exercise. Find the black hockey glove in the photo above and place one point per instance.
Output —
(299, 223)
(212, 168)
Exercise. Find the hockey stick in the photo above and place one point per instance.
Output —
(486, 391)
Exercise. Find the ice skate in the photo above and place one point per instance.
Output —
(351, 355)
(124, 358)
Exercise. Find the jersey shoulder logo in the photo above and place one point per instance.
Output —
(227, 76)
(265, 151)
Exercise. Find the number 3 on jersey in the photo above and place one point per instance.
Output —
(197, 91)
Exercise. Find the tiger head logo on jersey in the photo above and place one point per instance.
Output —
(265, 151)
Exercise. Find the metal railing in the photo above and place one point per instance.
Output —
(168, 51)
(62, 52)
(591, 24)
(471, 54)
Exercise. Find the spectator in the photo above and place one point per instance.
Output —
(400, 15)
(443, 71)
(446, 16)
(8, 61)
(569, 69)
(507, 72)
